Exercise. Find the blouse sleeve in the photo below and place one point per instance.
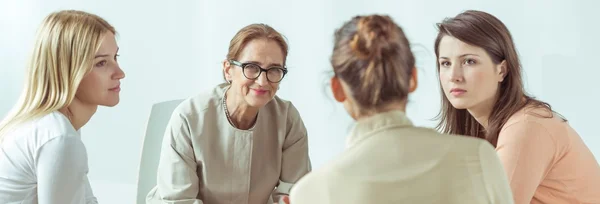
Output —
(526, 150)
(62, 171)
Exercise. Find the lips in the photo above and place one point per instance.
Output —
(456, 92)
(116, 88)
(260, 91)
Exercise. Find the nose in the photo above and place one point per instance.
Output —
(262, 79)
(456, 73)
(119, 73)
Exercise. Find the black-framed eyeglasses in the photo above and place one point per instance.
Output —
(252, 71)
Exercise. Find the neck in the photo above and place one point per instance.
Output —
(79, 113)
(482, 112)
(399, 106)
(242, 115)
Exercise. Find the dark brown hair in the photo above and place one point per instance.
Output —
(483, 30)
(252, 32)
(373, 57)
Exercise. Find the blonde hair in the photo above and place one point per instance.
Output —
(63, 54)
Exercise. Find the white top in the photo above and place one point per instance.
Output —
(388, 160)
(44, 161)
(204, 159)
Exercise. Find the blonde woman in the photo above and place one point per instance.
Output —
(72, 71)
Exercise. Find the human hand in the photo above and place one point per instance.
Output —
(284, 199)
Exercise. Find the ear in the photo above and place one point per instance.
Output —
(502, 71)
(227, 70)
(413, 80)
(337, 89)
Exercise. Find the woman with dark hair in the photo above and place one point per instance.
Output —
(387, 159)
(483, 96)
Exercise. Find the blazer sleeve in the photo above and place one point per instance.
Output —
(177, 180)
(295, 159)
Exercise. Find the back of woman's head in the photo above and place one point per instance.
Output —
(373, 57)
(63, 54)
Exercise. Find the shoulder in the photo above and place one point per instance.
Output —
(533, 125)
(54, 124)
(41, 130)
(314, 186)
(466, 146)
(460, 147)
(539, 135)
(283, 110)
(197, 106)
(537, 118)
(280, 105)
(64, 149)
(68, 143)
(440, 147)
(428, 135)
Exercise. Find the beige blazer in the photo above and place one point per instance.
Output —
(204, 159)
(388, 160)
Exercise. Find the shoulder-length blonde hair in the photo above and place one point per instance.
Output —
(64, 51)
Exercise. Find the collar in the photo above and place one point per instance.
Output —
(367, 126)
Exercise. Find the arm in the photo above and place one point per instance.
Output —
(89, 194)
(310, 189)
(177, 181)
(526, 150)
(497, 187)
(61, 171)
(295, 161)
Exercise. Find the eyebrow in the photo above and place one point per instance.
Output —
(105, 55)
(463, 55)
(270, 65)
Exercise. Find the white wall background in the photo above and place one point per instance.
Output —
(173, 50)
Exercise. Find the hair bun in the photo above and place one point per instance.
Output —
(374, 36)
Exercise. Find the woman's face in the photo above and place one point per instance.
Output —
(467, 74)
(102, 85)
(258, 53)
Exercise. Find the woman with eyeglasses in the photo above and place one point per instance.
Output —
(239, 143)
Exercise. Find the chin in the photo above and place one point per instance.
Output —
(112, 103)
(258, 102)
(459, 105)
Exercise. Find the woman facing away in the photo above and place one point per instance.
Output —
(238, 143)
(72, 71)
(483, 96)
(387, 159)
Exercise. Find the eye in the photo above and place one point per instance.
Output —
(252, 68)
(101, 63)
(116, 56)
(469, 61)
(275, 72)
(445, 63)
